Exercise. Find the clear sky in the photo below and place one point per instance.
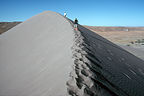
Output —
(88, 12)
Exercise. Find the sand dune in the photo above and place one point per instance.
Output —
(35, 57)
(112, 70)
(45, 56)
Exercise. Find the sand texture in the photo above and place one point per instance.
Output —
(45, 56)
(35, 57)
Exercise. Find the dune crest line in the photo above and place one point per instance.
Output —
(45, 56)
(102, 68)
(86, 78)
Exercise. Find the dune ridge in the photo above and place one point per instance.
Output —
(35, 57)
(45, 56)
(103, 68)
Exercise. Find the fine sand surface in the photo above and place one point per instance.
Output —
(35, 57)
(44, 56)
(105, 69)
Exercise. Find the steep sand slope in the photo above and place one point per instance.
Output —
(103, 68)
(35, 57)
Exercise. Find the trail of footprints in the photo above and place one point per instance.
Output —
(86, 78)
(80, 83)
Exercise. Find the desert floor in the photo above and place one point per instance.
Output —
(125, 39)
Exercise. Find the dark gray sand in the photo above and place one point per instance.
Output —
(105, 69)
(44, 56)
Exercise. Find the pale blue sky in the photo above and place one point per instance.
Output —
(88, 12)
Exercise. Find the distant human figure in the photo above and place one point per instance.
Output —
(65, 14)
(76, 24)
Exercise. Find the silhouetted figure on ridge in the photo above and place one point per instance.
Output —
(76, 24)
(65, 14)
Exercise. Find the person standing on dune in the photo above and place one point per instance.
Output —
(76, 24)
(65, 14)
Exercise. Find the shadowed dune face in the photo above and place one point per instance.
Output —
(103, 68)
(44, 56)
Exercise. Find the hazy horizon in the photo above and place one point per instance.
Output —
(85, 24)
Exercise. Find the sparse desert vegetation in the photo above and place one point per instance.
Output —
(137, 42)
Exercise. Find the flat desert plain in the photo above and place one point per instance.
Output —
(129, 38)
